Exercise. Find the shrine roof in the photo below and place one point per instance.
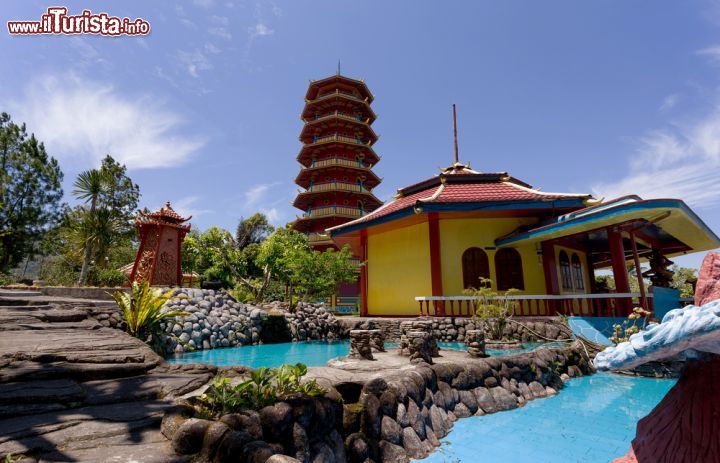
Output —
(315, 86)
(165, 214)
(459, 188)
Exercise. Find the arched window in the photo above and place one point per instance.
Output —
(508, 268)
(474, 267)
(565, 276)
(577, 273)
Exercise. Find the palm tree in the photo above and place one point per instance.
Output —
(89, 185)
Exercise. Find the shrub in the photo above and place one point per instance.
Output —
(265, 386)
(622, 332)
(110, 277)
(142, 310)
(493, 308)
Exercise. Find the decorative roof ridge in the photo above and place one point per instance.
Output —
(545, 193)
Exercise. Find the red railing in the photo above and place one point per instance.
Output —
(594, 305)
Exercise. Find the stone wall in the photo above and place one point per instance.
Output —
(217, 320)
(405, 415)
(390, 417)
(452, 329)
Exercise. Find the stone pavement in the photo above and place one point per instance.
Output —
(73, 390)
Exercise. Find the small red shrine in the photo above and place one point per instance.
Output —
(158, 258)
(337, 157)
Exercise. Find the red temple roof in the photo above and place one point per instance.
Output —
(165, 214)
(460, 185)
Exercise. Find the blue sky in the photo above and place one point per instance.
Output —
(607, 97)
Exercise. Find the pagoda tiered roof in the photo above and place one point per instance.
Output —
(338, 81)
(164, 215)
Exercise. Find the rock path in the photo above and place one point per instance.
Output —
(73, 390)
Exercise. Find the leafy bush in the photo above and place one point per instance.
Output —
(622, 332)
(142, 310)
(108, 277)
(265, 386)
(493, 308)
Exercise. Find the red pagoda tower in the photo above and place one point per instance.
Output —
(158, 259)
(337, 157)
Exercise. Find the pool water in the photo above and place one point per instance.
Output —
(593, 419)
(311, 353)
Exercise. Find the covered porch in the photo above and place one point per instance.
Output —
(615, 236)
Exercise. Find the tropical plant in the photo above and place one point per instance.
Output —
(110, 198)
(264, 387)
(623, 331)
(493, 308)
(142, 309)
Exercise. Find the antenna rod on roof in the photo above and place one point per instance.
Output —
(338, 67)
(455, 134)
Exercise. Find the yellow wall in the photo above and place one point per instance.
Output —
(456, 235)
(398, 267)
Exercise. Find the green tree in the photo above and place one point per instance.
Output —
(287, 256)
(30, 192)
(105, 219)
(253, 230)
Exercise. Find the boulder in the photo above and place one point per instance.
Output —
(391, 453)
(412, 444)
(708, 284)
(391, 431)
(276, 419)
(188, 439)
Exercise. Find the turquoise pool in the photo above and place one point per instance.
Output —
(311, 353)
(592, 420)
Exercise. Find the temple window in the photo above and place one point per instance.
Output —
(475, 266)
(508, 268)
(577, 273)
(565, 276)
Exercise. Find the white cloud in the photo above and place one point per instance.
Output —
(259, 30)
(221, 32)
(256, 194)
(83, 120)
(713, 54)
(670, 102)
(681, 161)
(204, 3)
(194, 62)
(187, 206)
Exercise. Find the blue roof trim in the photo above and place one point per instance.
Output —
(463, 207)
(610, 212)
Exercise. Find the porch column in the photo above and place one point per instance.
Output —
(551, 275)
(619, 268)
(638, 272)
(363, 274)
(435, 261)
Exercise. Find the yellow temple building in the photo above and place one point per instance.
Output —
(441, 235)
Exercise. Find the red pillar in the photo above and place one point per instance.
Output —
(619, 268)
(363, 274)
(435, 261)
(550, 271)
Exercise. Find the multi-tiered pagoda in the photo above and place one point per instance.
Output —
(336, 157)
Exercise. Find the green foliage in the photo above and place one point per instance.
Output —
(684, 280)
(623, 331)
(253, 230)
(306, 273)
(105, 219)
(493, 308)
(30, 192)
(109, 277)
(142, 309)
(265, 386)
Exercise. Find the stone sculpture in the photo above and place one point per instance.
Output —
(361, 344)
(475, 340)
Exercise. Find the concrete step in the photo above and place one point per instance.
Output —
(21, 293)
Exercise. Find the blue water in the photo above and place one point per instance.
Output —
(593, 419)
(311, 353)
